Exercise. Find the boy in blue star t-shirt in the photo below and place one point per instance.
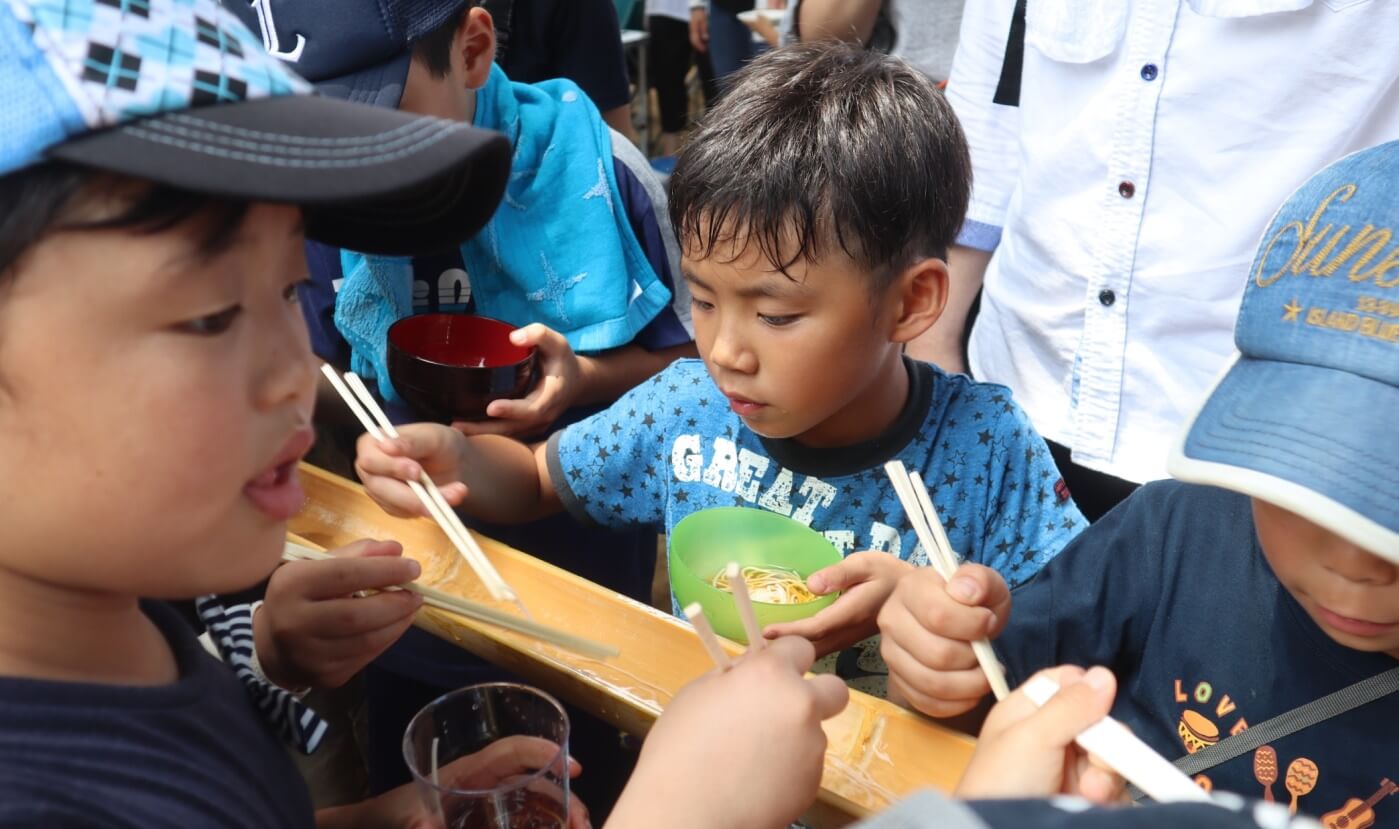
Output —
(814, 209)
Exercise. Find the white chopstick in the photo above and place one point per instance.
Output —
(919, 507)
(738, 586)
(424, 488)
(477, 612)
(695, 614)
(1125, 753)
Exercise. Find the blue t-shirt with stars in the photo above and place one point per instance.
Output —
(673, 446)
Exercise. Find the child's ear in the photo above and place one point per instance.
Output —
(920, 294)
(474, 47)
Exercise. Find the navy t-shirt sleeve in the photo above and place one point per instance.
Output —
(665, 330)
(1095, 602)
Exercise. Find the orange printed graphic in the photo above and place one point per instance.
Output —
(1265, 770)
(1196, 731)
(1357, 813)
(1204, 783)
(1301, 779)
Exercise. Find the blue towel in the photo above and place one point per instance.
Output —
(560, 249)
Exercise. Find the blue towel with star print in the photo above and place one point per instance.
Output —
(559, 250)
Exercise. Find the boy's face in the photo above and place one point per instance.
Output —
(154, 399)
(796, 357)
(1351, 594)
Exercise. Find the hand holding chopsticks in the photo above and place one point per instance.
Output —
(913, 495)
(367, 411)
(475, 611)
(744, 604)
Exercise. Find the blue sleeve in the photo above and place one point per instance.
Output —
(1031, 516)
(317, 296)
(605, 470)
(1095, 602)
(666, 329)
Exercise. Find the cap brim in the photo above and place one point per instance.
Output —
(369, 179)
(380, 85)
(1322, 459)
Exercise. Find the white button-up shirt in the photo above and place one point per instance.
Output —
(1153, 142)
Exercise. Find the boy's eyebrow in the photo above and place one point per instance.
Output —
(767, 286)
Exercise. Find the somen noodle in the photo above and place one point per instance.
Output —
(771, 585)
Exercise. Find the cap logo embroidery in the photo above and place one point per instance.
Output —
(1317, 255)
(270, 39)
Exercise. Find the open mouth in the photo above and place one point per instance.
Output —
(276, 491)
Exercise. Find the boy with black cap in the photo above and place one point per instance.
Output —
(580, 254)
(1229, 605)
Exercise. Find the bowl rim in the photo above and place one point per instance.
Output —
(533, 350)
(672, 554)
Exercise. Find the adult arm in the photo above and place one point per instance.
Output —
(993, 135)
(848, 20)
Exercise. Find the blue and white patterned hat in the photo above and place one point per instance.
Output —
(1305, 417)
(180, 92)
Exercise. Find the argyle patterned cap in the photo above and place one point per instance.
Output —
(182, 93)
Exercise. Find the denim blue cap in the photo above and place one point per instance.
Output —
(1305, 418)
(181, 93)
(357, 50)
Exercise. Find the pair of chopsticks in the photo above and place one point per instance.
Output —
(357, 396)
(913, 495)
(739, 587)
(476, 611)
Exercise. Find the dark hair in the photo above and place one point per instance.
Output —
(434, 49)
(38, 201)
(826, 144)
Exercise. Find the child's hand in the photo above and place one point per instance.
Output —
(310, 631)
(403, 807)
(867, 580)
(928, 627)
(743, 748)
(1027, 751)
(559, 385)
(384, 466)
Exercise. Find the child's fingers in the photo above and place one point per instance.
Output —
(953, 691)
(392, 495)
(368, 548)
(829, 620)
(791, 652)
(1101, 785)
(355, 617)
(852, 570)
(337, 577)
(1077, 706)
(929, 649)
(532, 406)
(830, 695)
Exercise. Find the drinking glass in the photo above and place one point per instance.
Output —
(501, 758)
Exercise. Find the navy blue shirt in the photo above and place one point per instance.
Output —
(576, 39)
(1171, 591)
(193, 753)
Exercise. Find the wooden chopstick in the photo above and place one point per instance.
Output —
(707, 637)
(477, 612)
(450, 522)
(465, 545)
(926, 525)
(738, 586)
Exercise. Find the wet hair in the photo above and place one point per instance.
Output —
(824, 146)
(38, 201)
(434, 49)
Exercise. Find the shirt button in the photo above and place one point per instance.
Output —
(1126, 189)
(1107, 298)
(1149, 72)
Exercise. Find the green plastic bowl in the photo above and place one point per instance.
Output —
(703, 543)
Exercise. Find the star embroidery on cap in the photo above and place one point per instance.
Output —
(1293, 311)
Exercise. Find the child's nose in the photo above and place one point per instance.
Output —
(291, 368)
(728, 351)
(1356, 565)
